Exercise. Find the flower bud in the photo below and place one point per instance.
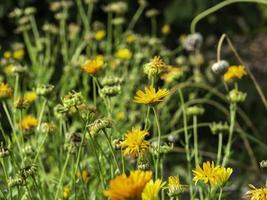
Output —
(193, 42)
(236, 96)
(97, 126)
(111, 91)
(44, 90)
(195, 110)
(73, 99)
(219, 127)
(220, 67)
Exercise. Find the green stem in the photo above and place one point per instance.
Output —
(136, 17)
(41, 115)
(218, 7)
(219, 152)
(231, 131)
(159, 139)
(195, 139)
(220, 195)
(187, 148)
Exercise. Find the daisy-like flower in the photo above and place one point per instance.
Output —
(18, 54)
(92, 66)
(28, 122)
(124, 54)
(99, 35)
(124, 187)
(213, 175)
(155, 66)
(234, 72)
(256, 193)
(30, 96)
(150, 95)
(134, 143)
(175, 187)
(152, 189)
(5, 91)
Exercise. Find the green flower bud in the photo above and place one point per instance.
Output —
(111, 91)
(236, 96)
(73, 99)
(111, 81)
(220, 127)
(195, 110)
(44, 90)
(263, 164)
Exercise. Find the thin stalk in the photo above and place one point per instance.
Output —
(41, 115)
(220, 195)
(136, 17)
(217, 7)
(187, 148)
(159, 139)
(231, 131)
(219, 152)
(195, 139)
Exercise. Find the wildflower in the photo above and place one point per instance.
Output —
(91, 67)
(175, 187)
(220, 67)
(73, 99)
(30, 96)
(166, 29)
(9, 69)
(111, 91)
(213, 175)
(154, 67)
(171, 73)
(152, 189)
(28, 122)
(134, 143)
(7, 55)
(131, 38)
(99, 35)
(124, 54)
(124, 187)
(18, 54)
(120, 116)
(83, 175)
(5, 91)
(234, 72)
(256, 193)
(150, 95)
(66, 192)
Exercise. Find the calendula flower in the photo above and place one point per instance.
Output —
(66, 192)
(213, 175)
(256, 193)
(124, 54)
(92, 66)
(5, 91)
(125, 187)
(166, 29)
(175, 187)
(150, 95)
(30, 96)
(152, 189)
(18, 54)
(99, 35)
(234, 72)
(28, 122)
(155, 66)
(83, 175)
(134, 143)
(130, 38)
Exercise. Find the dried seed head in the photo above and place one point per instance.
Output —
(44, 90)
(195, 110)
(111, 91)
(73, 141)
(220, 67)
(219, 127)
(73, 99)
(60, 111)
(193, 42)
(111, 81)
(97, 126)
(152, 13)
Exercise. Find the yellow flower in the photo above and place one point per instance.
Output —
(7, 54)
(152, 189)
(213, 175)
(83, 175)
(9, 69)
(134, 143)
(30, 96)
(175, 187)
(171, 73)
(256, 193)
(5, 91)
(66, 192)
(130, 38)
(234, 72)
(93, 66)
(124, 187)
(166, 29)
(155, 66)
(18, 54)
(99, 35)
(28, 122)
(124, 54)
(120, 116)
(150, 95)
